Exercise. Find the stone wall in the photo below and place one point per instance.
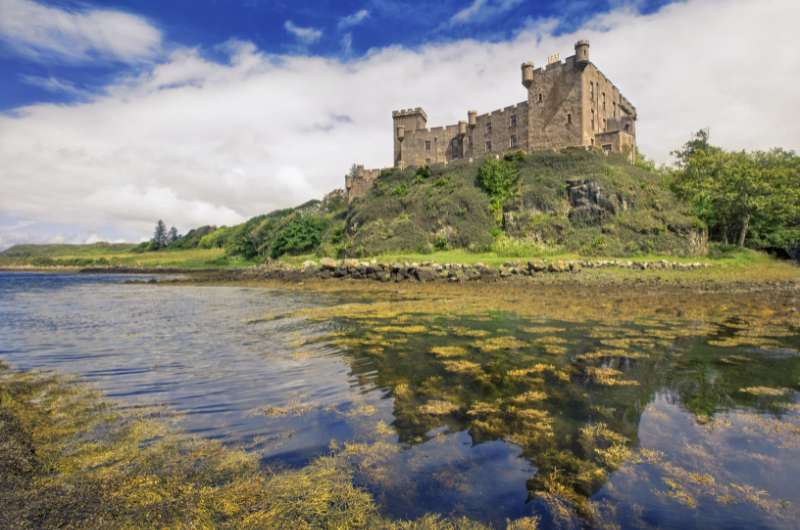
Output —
(359, 181)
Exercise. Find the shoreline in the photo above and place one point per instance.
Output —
(601, 273)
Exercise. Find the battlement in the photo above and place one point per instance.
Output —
(409, 112)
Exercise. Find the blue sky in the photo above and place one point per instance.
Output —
(330, 25)
(116, 114)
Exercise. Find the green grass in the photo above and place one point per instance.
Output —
(44, 256)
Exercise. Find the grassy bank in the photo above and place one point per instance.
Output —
(78, 256)
(723, 264)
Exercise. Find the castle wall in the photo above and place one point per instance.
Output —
(494, 131)
(554, 100)
(359, 181)
(429, 146)
(604, 108)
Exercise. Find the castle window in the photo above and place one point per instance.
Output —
(604, 101)
(488, 146)
(591, 89)
(627, 127)
(540, 98)
(614, 106)
(592, 119)
(427, 145)
(569, 118)
(427, 161)
(513, 120)
(513, 141)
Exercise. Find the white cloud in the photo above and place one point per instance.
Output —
(306, 35)
(482, 10)
(194, 141)
(53, 84)
(46, 33)
(353, 20)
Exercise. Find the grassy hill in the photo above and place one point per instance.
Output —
(571, 201)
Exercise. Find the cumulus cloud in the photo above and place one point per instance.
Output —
(482, 10)
(45, 33)
(195, 141)
(306, 35)
(353, 20)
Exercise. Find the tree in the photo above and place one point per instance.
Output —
(159, 240)
(172, 236)
(740, 194)
(500, 180)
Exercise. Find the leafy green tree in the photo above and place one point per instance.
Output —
(500, 180)
(159, 240)
(741, 193)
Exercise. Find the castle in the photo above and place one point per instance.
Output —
(569, 103)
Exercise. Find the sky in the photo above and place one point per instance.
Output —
(115, 114)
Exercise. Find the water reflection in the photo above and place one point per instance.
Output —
(661, 416)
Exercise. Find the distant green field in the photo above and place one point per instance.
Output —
(116, 255)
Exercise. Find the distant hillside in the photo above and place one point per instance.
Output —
(54, 251)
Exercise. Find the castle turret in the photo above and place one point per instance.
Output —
(527, 74)
(582, 52)
(472, 118)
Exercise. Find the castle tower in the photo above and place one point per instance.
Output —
(582, 52)
(406, 122)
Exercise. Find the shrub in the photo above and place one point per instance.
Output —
(303, 233)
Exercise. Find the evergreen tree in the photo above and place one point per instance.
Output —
(159, 240)
(172, 236)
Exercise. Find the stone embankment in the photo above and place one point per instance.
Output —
(426, 271)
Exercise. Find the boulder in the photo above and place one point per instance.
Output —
(328, 263)
(425, 274)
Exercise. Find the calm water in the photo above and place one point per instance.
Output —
(675, 421)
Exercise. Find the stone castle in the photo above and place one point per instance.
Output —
(569, 103)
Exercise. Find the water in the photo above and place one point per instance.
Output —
(671, 413)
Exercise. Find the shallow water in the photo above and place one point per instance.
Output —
(671, 418)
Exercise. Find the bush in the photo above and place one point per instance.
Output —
(303, 233)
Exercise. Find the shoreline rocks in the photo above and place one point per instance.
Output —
(327, 268)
